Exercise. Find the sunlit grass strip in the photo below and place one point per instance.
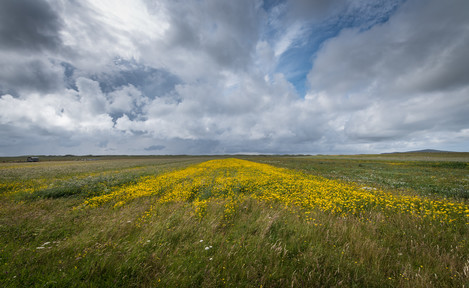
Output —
(232, 178)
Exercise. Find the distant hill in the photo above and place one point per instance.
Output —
(429, 151)
(422, 151)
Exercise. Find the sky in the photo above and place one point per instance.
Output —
(107, 77)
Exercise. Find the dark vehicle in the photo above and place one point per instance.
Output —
(32, 159)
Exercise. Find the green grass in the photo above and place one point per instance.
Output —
(56, 179)
(145, 244)
(440, 174)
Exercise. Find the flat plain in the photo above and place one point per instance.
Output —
(388, 220)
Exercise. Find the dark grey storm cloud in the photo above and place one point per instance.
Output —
(30, 75)
(29, 25)
(29, 36)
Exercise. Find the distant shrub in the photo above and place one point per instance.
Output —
(453, 165)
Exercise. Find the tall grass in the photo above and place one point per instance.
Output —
(209, 241)
(425, 176)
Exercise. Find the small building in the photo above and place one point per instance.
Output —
(32, 159)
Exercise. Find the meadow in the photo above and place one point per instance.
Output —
(389, 220)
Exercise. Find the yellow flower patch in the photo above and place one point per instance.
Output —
(232, 179)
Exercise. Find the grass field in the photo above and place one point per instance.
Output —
(393, 220)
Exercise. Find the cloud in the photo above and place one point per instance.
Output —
(217, 36)
(30, 74)
(155, 148)
(29, 25)
(211, 77)
(399, 78)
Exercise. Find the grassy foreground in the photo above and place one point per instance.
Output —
(185, 222)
